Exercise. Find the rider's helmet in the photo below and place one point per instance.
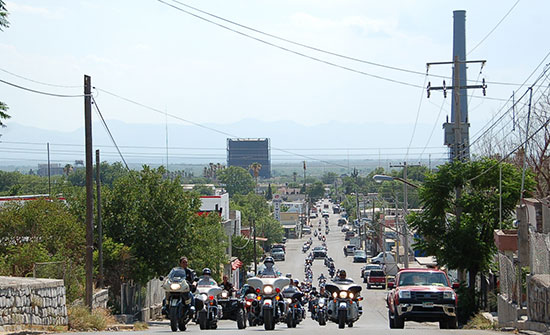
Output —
(206, 272)
(288, 275)
(296, 282)
(269, 259)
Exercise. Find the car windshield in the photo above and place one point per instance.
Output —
(423, 279)
(277, 250)
(360, 253)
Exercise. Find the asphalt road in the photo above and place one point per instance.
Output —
(375, 315)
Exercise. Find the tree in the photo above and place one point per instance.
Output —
(269, 193)
(243, 249)
(271, 229)
(203, 189)
(42, 231)
(460, 232)
(255, 168)
(159, 222)
(316, 191)
(236, 180)
(252, 207)
(329, 178)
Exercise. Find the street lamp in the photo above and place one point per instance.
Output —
(380, 178)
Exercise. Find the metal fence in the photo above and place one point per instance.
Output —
(134, 298)
(540, 253)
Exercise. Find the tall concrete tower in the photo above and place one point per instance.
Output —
(459, 51)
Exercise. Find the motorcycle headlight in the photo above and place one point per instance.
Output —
(268, 289)
(225, 294)
(175, 286)
(449, 295)
(343, 294)
(351, 295)
(404, 294)
(334, 294)
(288, 301)
(321, 304)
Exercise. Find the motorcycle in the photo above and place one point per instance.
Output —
(344, 307)
(178, 307)
(295, 313)
(331, 270)
(270, 307)
(305, 248)
(206, 303)
(319, 310)
(233, 308)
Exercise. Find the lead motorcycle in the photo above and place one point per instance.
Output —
(206, 303)
(295, 312)
(269, 307)
(343, 307)
(319, 310)
(178, 307)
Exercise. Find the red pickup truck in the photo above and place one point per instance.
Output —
(376, 278)
(422, 295)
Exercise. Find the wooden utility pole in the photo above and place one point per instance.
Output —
(99, 223)
(89, 189)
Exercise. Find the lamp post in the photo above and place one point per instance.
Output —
(380, 178)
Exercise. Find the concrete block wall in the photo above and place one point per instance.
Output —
(32, 301)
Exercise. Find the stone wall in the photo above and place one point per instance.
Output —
(538, 290)
(32, 301)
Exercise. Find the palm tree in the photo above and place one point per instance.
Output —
(67, 169)
(294, 175)
(256, 167)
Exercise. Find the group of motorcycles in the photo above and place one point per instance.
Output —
(206, 306)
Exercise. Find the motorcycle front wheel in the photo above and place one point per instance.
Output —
(269, 324)
(322, 320)
(342, 319)
(203, 320)
(241, 322)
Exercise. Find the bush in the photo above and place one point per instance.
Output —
(141, 325)
(80, 318)
(479, 322)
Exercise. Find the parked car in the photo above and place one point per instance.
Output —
(342, 222)
(306, 230)
(359, 256)
(349, 249)
(379, 259)
(349, 235)
(278, 254)
(325, 214)
(367, 268)
(422, 295)
(376, 277)
(279, 245)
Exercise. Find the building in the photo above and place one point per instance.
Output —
(243, 152)
(55, 170)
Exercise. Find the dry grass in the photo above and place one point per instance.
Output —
(141, 325)
(479, 322)
(81, 319)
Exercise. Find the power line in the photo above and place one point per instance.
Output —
(494, 28)
(39, 82)
(417, 115)
(332, 53)
(41, 92)
(292, 51)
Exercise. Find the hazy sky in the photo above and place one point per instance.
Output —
(159, 56)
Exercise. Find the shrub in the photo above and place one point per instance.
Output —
(80, 318)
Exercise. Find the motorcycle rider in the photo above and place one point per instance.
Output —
(268, 272)
(189, 277)
(227, 285)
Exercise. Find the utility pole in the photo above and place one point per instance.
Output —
(99, 223)
(405, 211)
(255, 256)
(89, 189)
(49, 174)
(459, 146)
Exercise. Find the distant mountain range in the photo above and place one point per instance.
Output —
(191, 144)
